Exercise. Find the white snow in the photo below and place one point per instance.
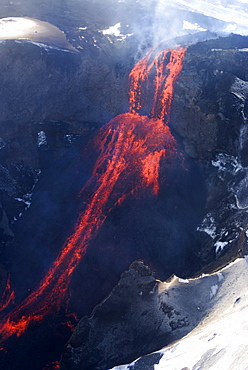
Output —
(233, 12)
(226, 163)
(221, 345)
(192, 26)
(219, 246)
(43, 46)
(208, 226)
(213, 291)
(42, 139)
(24, 28)
(47, 47)
(220, 340)
(10, 27)
(114, 30)
(183, 281)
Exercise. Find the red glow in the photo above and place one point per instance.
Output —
(52, 366)
(131, 147)
(8, 296)
(162, 82)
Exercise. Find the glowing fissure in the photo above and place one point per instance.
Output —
(131, 147)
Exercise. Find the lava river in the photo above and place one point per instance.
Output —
(130, 147)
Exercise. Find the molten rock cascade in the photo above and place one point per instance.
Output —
(131, 147)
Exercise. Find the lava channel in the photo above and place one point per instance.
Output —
(130, 150)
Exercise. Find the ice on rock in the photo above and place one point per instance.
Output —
(42, 139)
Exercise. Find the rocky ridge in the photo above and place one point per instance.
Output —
(159, 312)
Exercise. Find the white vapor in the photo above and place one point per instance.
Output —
(233, 13)
(179, 17)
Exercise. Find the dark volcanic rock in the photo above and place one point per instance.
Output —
(141, 315)
(134, 319)
(6, 234)
(209, 115)
(210, 97)
(42, 83)
(49, 98)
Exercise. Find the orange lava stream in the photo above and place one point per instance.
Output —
(131, 147)
(162, 82)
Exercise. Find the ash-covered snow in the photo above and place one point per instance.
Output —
(220, 339)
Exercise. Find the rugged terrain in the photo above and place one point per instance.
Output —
(53, 102)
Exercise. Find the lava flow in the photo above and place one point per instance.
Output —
(8, 296)
(130, 149)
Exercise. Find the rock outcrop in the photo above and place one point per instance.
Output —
(218, 342)
(209, 115)
(143, 313)
(135, 319)
(210, 98)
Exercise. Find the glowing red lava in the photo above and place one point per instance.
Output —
(131, 147)
(52, 366)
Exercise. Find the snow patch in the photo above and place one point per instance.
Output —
(226, 163)
(114, 31)
(44, 46)
(213, 291)
(219, 246)
(184, 281)
(42, 139)
(208, 226)
(27, 198)
(220, 340)
(192, 26)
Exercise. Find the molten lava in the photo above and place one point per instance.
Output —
(130, 150)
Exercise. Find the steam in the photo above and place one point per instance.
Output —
(181, 17)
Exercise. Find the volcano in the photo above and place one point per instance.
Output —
(115, 149)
